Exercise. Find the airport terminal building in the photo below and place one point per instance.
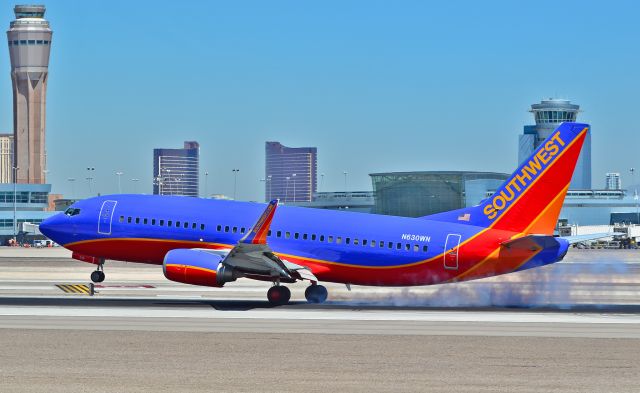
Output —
(31, 207)
(416, 194)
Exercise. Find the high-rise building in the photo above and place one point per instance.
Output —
(549, 114)
(290, 172)
(29, 45)
(613, 181)
(6, 158)
(176, 171)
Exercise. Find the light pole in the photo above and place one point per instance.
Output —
(235, 182)
(168, 179)
(90, 170)
(206, 183)
(294, 187)
(119, 174)
(270, 194)
(321, 181)
(345, 181)
(635, 194)
(265, 186)
(72, 180)
(286, 189)
(15, 193)
(135, 182)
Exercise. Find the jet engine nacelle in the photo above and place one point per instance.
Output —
(196, 267)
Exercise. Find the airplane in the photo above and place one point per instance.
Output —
(212, 242)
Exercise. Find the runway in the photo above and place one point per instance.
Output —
(566, 328)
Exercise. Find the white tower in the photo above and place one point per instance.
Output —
(29, 44)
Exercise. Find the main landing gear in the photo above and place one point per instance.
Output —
(316, 293)
(279, 295)
(98, 275)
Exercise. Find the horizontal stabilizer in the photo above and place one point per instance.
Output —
(531, 242)
(591, 236)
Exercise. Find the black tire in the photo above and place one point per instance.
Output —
(102, 276)
(96, 276)
(278, 295)
(316, 294)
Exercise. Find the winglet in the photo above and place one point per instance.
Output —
(259, 231)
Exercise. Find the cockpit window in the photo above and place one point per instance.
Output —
(72, 212)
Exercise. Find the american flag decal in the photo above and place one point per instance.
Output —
(464, 217)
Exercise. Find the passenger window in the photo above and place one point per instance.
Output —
(390, 245)
(313, 236)
(137, 220)
(202, 227)
(347, 240)
(235, 229)
(407, 246)
(355, 242)
(161, 223)
(121, 218)
(186, 225)
(177, 224)
(338, 240)
(242, 230)
(153, 221)
(425, 248)
(364, 242)
(373, 243)
(194, 225)
(269, 233)
(287, 235)
(226, 228)
(416, 248)
(296, 235)
(330, 239)
(169, 223)
(305, 236)
(381, 244)
(129, 220)
(398, 246)
(279, 234)
(219, 228)
(321, 238)
(145, 221)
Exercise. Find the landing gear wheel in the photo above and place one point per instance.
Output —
(97, 276)
(278, 295)
(316, 294)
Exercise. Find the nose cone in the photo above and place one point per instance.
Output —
(54, 227)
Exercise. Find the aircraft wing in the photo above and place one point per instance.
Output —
(253, 256)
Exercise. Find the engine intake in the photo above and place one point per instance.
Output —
(196, 267)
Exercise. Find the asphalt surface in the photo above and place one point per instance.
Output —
(572, 327)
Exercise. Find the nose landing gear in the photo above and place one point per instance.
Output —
(98, 275)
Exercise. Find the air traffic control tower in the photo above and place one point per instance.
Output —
(29, 45)
(549, 114)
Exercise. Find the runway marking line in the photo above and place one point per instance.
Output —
(74, 288)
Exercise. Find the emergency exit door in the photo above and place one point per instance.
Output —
(451, 251)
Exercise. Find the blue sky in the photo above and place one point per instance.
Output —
(375, 85)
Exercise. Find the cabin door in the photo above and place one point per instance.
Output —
(106, 215)
(451, 251)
